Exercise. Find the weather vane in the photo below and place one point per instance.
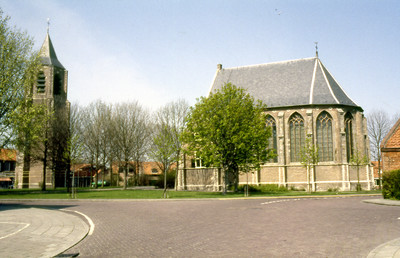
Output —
(48, 25)
(316, 48)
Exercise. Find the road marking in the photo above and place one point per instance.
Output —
(306, 198)
(278, 201)
(19, 223)
(91, 224)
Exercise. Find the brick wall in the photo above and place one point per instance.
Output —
(391, 149)
(391, 160)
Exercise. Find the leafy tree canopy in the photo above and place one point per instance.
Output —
(18, 69)
(227, 129)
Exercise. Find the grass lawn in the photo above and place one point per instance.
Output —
(151, 194)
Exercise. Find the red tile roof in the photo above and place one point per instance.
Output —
(8, 155)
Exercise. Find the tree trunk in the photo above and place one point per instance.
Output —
(26, 169)
(225, 180)
(91, 174)
(379, 173)
(125, 175)
(111, 174)
(308, 179)
(165, 182)
(118, 173)
(44, 167)
(176, 170)
(97, 177)
(102, 176)
(137, 168)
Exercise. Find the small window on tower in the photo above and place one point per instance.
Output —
(41, 82)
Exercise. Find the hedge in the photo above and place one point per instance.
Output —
(391, 185)
(268, 188)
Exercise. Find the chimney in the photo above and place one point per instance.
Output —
(219, 67)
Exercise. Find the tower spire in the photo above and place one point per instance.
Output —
(48, 25)
(316, 49)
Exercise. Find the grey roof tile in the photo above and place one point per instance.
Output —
(48, 54)
(288, 83)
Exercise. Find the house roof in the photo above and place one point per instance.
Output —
(8, 155)
(48, 54)
(392, 139)
(289, 83)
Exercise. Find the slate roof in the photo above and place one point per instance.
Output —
(299, 82)
(48, 54)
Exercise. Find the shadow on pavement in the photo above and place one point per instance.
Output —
(13, 206)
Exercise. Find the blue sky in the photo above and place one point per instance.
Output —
(157, 51)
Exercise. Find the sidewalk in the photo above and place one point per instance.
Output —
(383, 202)
(36, 232)
(391, 248)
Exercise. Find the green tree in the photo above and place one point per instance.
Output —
(173, 116)
(19, 66)
(227, 129)
(74, 153)
(23, 123)
(163, 150)
(131, 129)
(309, 159)
(30, 125)
(358, 159)
(169, 122)
(379, 125)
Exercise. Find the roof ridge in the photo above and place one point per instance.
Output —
(337, 83)
(313, 83)
(390, 133)
(327, 82)
(272, 63)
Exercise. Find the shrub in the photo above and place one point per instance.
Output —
(391, 184)
(170, 180)
(139, 180)
(334, 189)
(269, 188)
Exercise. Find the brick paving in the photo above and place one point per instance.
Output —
(332, 227)
(339, 227)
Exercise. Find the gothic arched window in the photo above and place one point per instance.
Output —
(348, 124)
(272, 142)
(297, 136)
(324, 137)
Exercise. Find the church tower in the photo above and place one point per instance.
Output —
(50, 89)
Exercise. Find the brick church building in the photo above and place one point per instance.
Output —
(390, 148)
(304, 101)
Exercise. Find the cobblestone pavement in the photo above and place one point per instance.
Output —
(295, 227)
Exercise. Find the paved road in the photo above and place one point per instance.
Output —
(333, 227)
